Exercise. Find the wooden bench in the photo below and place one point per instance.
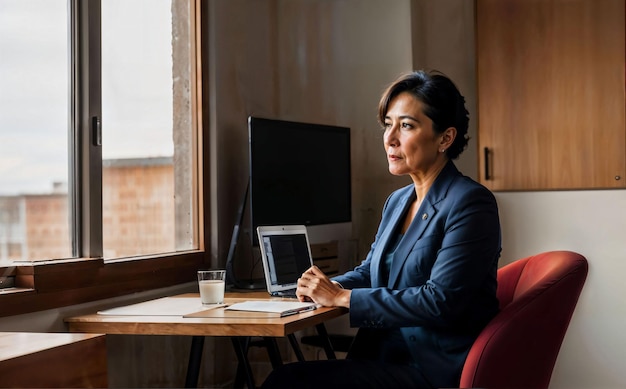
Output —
(52, 360)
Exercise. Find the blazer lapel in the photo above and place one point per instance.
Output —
(423, 217)
(386, 236)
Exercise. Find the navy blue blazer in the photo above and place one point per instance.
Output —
(442, 283)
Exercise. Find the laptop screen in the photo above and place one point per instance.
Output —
(286, 255)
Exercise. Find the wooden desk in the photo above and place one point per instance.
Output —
(52, 360)
(239, 329)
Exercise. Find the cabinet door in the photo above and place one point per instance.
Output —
(551, 94)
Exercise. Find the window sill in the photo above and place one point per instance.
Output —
(51, 284)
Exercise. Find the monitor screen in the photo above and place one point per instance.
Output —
(299, 173)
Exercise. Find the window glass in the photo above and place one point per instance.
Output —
(34, 218)
(147, 134)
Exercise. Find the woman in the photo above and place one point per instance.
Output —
(428, 285)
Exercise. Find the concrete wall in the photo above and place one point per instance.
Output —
(321, 61)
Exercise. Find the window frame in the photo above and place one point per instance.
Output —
(57, 283)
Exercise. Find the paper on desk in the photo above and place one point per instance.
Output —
(165, 306)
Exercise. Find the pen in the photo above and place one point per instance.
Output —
(299, 310)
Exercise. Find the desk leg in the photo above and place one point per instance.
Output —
(273, 352)
(328, 347)
(296, 347)
(195, 357)
(240, 344)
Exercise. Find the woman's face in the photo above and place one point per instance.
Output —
(412, 145)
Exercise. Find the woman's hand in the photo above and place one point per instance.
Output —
(314, 286)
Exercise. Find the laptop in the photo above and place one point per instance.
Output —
(286, 254)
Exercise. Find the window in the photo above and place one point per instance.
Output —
(98, 129)
(147, 128)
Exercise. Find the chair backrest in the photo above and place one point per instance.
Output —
(519, 347)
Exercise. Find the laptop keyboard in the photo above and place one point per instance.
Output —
(285, 293)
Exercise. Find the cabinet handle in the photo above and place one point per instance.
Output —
(487, 176)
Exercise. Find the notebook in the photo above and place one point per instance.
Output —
(271, 308)
(286, 254)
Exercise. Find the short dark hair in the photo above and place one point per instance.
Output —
(443, 104)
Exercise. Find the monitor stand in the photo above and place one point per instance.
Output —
(231, 279)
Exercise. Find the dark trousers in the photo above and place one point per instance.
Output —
(345, 374)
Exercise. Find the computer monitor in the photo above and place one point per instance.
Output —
(300, 173)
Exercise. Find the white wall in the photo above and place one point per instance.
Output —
(592, 223)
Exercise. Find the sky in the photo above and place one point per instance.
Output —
(137, 102)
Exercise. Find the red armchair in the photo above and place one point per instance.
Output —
(518, 348)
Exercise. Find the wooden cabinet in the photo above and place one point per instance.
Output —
(551, 94)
